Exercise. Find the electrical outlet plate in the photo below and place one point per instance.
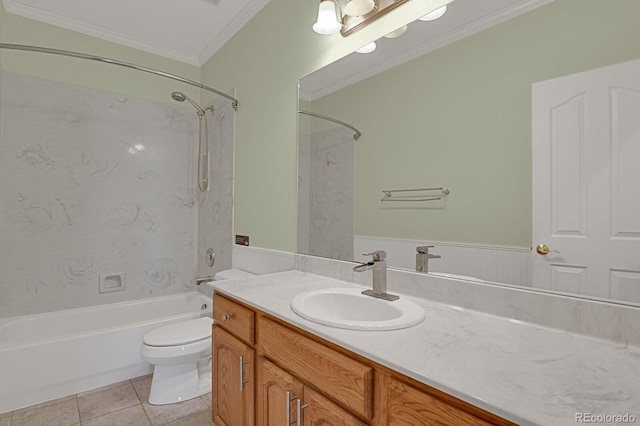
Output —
(242, 240)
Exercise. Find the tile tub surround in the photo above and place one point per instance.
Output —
(215, 206)
(525, 373)
(123, 404)
(95, 184)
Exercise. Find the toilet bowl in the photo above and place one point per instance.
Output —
(181, 356)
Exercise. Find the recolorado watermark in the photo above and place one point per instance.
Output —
(605, 418)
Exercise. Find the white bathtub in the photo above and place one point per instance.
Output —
(50, 355)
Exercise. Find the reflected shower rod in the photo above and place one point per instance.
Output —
(357, 134)
(27, 48)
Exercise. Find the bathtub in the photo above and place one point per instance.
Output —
(50, 355)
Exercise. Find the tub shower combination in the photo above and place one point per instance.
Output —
(54, 354)
(50, 355)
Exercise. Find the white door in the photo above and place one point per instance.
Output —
(586, 182)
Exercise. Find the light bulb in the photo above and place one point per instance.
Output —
(359, 7)
(327, 22)
(432, 16)
(367, 48)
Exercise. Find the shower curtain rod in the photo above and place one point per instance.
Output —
(234, 101)
(357, 134)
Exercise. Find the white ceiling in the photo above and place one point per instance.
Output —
(189, 31)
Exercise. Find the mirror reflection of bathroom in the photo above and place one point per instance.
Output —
(325, 187)
(461, 112)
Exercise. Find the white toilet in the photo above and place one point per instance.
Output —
(181, 356)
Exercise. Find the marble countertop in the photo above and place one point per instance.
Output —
(525, 373)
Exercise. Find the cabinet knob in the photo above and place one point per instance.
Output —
(226, 317)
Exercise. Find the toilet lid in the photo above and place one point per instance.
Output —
(180, 333)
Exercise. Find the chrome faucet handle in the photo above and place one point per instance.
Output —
(423, 249)
(378, 255)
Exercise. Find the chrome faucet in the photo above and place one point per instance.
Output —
(379, 268)
(422, 258)
(201, 280)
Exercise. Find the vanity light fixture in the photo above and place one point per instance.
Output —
(349, 16)
(432, 16)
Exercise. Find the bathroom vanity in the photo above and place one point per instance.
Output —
(280, 372)
(457, 367)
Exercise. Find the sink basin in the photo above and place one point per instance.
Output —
(349, 308)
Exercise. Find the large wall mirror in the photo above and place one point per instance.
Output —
(464, 118)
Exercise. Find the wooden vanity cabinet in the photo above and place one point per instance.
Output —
(232, 380)
(282, 399)
(300, 379)
(233, 363)
(409, 406)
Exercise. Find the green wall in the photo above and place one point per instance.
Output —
(460, 117)
(18, 30)
(470, 110)
(264, 62)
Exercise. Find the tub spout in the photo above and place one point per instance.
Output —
(201, 280)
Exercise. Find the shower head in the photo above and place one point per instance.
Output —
(177, 96)
(181, 97)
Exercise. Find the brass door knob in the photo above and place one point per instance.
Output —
(543, 250)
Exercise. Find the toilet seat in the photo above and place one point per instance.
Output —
(181, 333)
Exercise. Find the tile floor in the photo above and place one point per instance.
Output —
(120, 404)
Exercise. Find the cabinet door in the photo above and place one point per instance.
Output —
(277, 395)
(233, 384)
(319, 411)
(410, 406)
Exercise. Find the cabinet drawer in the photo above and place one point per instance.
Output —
(343, 379)
(409, 406)
(234, 318)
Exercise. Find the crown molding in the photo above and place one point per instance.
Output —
(431, 45)
(239, 21)
(16, 8)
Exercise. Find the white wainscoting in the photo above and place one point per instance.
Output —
(261, 261)
(510, 265)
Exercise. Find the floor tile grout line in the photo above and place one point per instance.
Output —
(97, 390)
(141, 402)
(136, 391)
(112, 412)
(180, 418)
(78, 409)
